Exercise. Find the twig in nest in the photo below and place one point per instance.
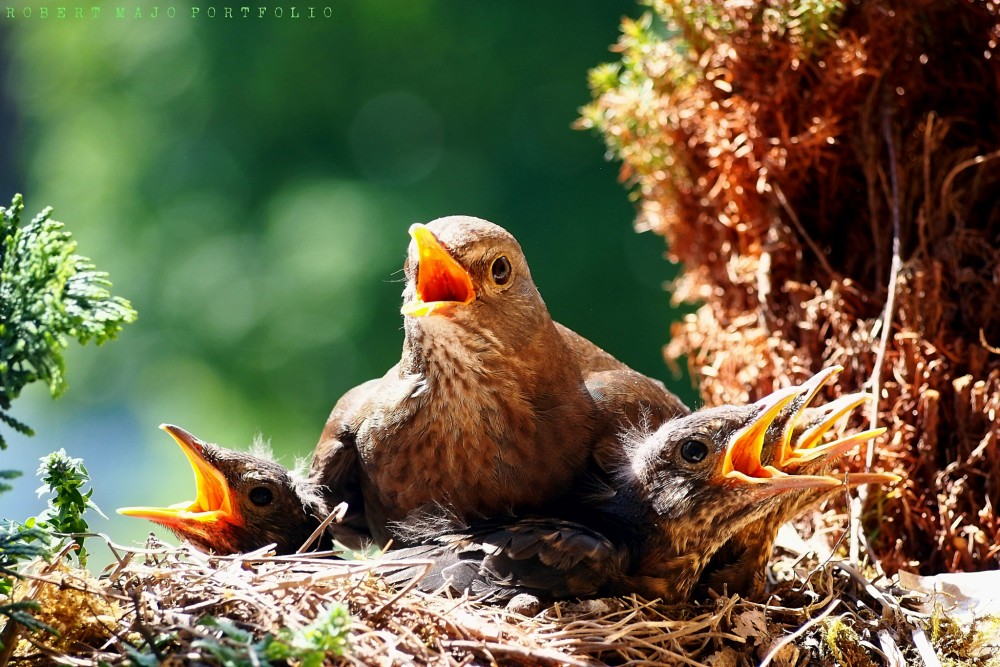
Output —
(949, 180)
(428, 565)
(890, 300)
(924, 648)
(888, 610)
(887, 315)
(985, 343)
(893, 656)
(147, 634)
(529, 655)
(337, 515)
(785, 641)
(928, 207)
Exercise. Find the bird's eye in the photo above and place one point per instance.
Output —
(500, 271)
(694, 451)
(261, 496)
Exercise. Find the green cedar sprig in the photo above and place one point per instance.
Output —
(64, 477)
(17, 544)
(48, 295)
(7, 474)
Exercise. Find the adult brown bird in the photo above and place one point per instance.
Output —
(739, 566)
(243, 501)
(681, 493)
(493, 407)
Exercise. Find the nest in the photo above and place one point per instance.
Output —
(157, 605)
(828, 175)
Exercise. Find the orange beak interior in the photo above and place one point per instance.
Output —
(742, 462)
(809, 389)
(743, 454)
(214, 498)
(808, 447)
(442, 282)
(742, 458)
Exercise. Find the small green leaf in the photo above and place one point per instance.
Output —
(63, 477)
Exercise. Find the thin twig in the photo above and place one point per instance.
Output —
(338, 514)
(532, 655)
(924, 648)
(927, 212)
(890, 300)
(887, 315)
(427, 566)
(949, 180)
(888, 610)
(148, 634)
(785, 641)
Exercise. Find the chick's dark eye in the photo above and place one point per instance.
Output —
(261, 495)
(694, 451)
(500, 271)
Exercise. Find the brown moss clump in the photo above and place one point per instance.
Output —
(845, 646)
(70, 602)
(808, 162)
(957, 644)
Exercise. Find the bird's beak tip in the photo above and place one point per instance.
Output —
(418, 308)
(182, 437)
(214, 500)
(418, 229)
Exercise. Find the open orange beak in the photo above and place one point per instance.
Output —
(807, 447)
(442, 283)
(808, 391)
(213, 502)
(742, 458)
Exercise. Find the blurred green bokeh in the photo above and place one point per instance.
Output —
(248, 184)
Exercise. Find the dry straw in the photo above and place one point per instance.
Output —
(154, 601)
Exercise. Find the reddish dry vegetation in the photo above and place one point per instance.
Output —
(784, 156)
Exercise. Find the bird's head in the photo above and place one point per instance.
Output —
(471, 272)
(710, 461)
(243, 501)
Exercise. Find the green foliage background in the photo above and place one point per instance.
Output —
(248, 184)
